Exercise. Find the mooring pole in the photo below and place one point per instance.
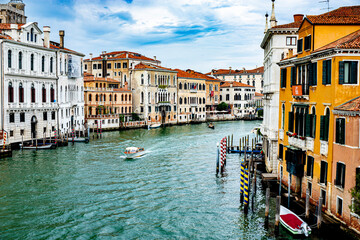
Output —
(246, 191)
(242, 172)
(253, 183)
(319, 213)
(267, 207)
(280, 182)
(277, 215)
(217, 159)
(307, 206)
(289, 190)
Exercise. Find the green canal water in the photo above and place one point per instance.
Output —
(89, 191)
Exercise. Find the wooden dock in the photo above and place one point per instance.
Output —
(269, 177)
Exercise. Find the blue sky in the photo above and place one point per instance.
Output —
(196, 34)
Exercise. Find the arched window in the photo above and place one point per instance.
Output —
(32, 34)
(122, 97)
(155, 79)
(9, 59)
(199, 100)
(33, 93)
(21, 93)
(129, 109)
(142, 79)
(125, 97)
(124, 78)
(51, 65)
(105, 98)
(248, 82)
(66, 70)
(115, 97)
(262, 83)
(149, 79)
(185, 101)
(204, 87)
(28, 36)
(125, 109)
(200, 86)
(174, 81)
(20, 60)
(110, 97)
(142, 98)
(129, 97)
(43, 93)
(32, 62)
(149, 98)
(52, 94)
(254, 83)
(180, 100)
(96, 98)
(203, 100)
(283, 116)
(180, 85)
(43, 64)
(185, 86)
(11, 92)
(90, 96)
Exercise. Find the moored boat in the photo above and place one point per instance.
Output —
(134, 152)
(38, 147)
(293, 223)
(80, 139)
(153, 126)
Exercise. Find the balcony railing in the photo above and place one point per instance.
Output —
(297, 142)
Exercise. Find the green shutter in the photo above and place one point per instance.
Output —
(313, 130)
(326, 130)
(285, 73)
(292, 77)
(291, 121)
(341, 72)
(308, 126)
(328, 72)
(342, 132)
(322, 127)
(324, 73)
(311, 75)
(314, 65)
(282, 78)
(337, 131)
(353, 76)
(338, 174)
(343, 176)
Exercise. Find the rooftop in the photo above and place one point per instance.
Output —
(193, 74)
(123, 55)
(235, 84)
(343, 15)
(352, 105)
(235, 72)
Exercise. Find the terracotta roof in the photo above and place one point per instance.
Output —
(123, 55)
(351, 41)
(90, 78)
(235, 84)
(7, 26)
(288, 25)
(258, 94)
(234, 72)
(4, 36)
(352, 105)
(55, 45)
(343, 15)
(192, 74)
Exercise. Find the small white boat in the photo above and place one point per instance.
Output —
(134, 152)
(39, 147)
(293, 223)
(153, 126)
(80, 139)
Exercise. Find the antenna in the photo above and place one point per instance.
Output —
(328, 5)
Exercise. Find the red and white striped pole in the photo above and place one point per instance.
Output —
(4, 140)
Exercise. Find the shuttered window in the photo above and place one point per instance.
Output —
(323, 172)
(348, 72)
(307, 43)
(310, 125)
(300, 45)
(340, 175)
(324, 127)
(340, 131)
(312, 74)
(281, 151)
(293, 76)
(326, 77)
(291, 121)
(283, 78)
(310, 166)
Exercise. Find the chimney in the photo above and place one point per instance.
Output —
(14, 29)
(229, 70)
(90, 56)
(155, 58)
(266, 22)
(46, 31)
(103, 52)
(62, 35)
(126, 86)
(298, 17)
(273, 21)
(291, 52)
(127, 55)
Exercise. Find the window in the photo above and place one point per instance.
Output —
(307, 43)
(22, 117)
(32, 34)
(340, 175)
(312, 74)
(142, 79)
(311, 124)
(310, 166)
(85, 66)
(340, 131)
(300, 46)
(227, 97)
(281, 151)
(99, 65)
(290, 41)
(52, 94)
(125, 65)
(348, 72)
(32, 62)
(11, 117)
(323, 196)
(11, 92)
(149, 79)
(339, 205)
(323, 172)
(324, 126)
(21, 93)
(326, 77)
(43, 93)
(53, 115)
(45, 114)
(283, 78)
(310, 188)
(9, 59)
(32, 93)
(149, 110)
(51, 65)
(20, 60)
(94, 66)
(293, 76)
(291, 122)
(43, 64)
(109, 65)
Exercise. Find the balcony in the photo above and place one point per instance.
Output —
(310, 144)
(300, 91)
(193, 90)
(324, 145)
(297, 142)
(164, 103)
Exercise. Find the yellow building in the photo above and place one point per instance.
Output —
(106, 104)
(324, 74)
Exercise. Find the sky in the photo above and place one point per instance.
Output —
(186, 34)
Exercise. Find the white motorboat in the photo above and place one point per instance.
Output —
(80, 139)
(153, 126)
(134, 152)
(293, 223)
(38, 147)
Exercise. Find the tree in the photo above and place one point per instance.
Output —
(222, 107)
(355, 193)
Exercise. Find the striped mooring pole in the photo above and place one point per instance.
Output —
(4, 140)
(242, 173)
(246, 190)
(222, 154)
(55, 137)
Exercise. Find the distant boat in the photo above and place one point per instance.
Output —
(38, 147)
(293, 223)
(80, 139)
(210, 125)
(153, 126)
(134, 152)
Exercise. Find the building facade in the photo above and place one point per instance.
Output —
(212, 95)
(323, 74)
(278, 42)
(106, 104)
(13, 12)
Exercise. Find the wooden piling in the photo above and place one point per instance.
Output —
(319, 213)
(277, 215)
(240, 146)
(267, 207)
(253, 183)
(232, 140)
(307, 204)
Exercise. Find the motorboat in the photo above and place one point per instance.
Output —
(38, 147)
(153, 126)
(134, 152)
(293, 222)
(210, 125)
(80, 139)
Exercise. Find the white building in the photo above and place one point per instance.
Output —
(239, 96)
(253, 77)
(278, 42)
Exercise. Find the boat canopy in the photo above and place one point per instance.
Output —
(132, 149)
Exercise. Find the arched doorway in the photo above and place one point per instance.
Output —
(163, 116)
(33, 126)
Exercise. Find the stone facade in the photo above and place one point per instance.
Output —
(13, 12)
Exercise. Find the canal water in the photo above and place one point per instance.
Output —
(89, 191)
